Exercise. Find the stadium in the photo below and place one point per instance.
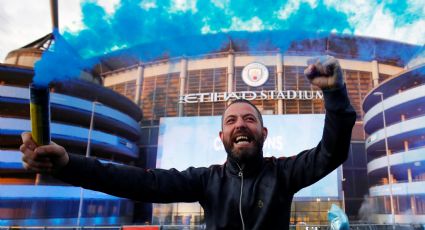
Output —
(199, 86)
(180, 90)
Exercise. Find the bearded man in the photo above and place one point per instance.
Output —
(248, 191)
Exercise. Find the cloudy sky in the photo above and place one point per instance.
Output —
(23, 21)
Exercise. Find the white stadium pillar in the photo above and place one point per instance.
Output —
(279, 75)
(139, 80)
(183, 76)
(230, 71)
(375, 73)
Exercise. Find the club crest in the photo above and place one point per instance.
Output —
(255, 74)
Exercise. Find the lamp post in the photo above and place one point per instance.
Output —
(80, 206)
(390, 181)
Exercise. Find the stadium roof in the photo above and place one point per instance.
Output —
(340, 46)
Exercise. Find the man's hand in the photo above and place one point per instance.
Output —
(40, 159)
(324, 72)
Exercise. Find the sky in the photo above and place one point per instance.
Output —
(23, 21)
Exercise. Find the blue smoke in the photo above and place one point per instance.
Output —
(132, 24)
(60, 62)
(402, 12)
(151, 29)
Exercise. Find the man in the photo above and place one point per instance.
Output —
(248, 191)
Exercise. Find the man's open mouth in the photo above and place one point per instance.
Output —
(242, 139)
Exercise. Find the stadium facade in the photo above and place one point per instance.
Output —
(201, 85)
(395, 123)
(39, 200)
(181, 86)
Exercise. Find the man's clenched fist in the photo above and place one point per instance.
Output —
(324, 72)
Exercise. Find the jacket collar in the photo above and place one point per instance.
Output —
(248, 169)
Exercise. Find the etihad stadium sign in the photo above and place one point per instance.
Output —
(254, 74)
(251, 95)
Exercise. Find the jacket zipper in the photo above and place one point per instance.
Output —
(240, 174)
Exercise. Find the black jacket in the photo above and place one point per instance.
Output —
(265, 188)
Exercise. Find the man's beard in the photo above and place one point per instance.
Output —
(244, 155)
